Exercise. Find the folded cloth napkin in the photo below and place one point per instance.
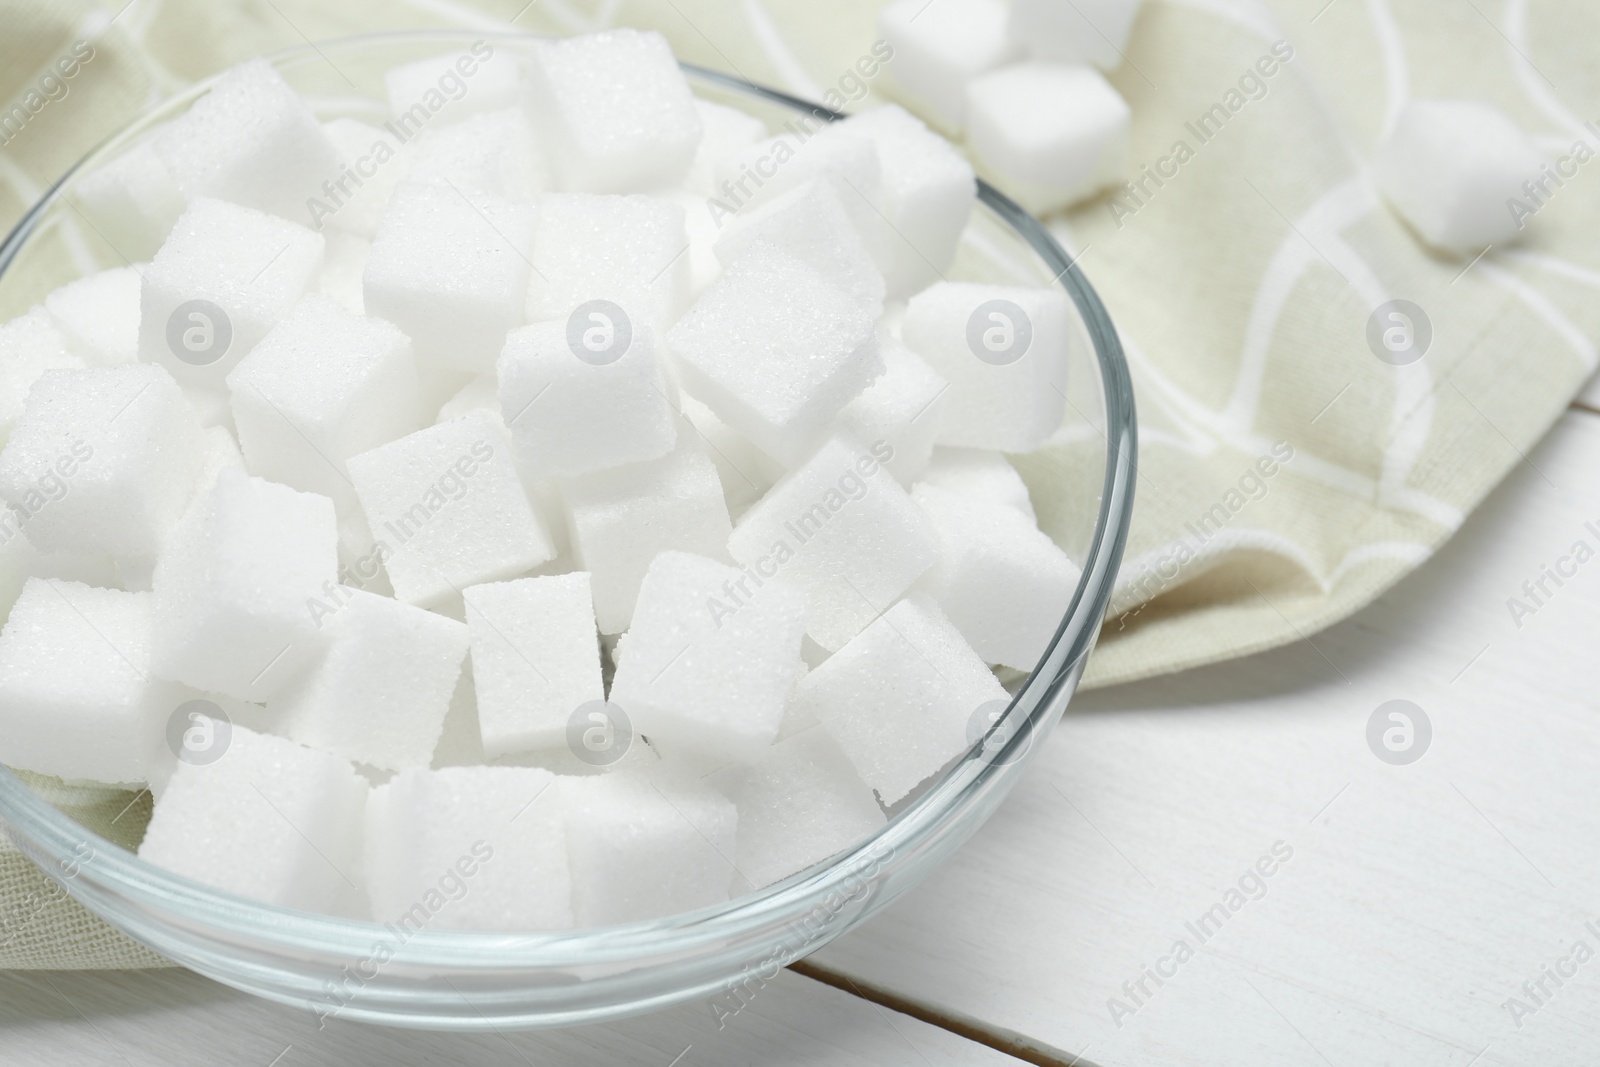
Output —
(1288, 475)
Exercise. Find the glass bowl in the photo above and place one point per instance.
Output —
(478, 981)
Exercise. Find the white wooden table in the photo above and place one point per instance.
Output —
(1414, 903)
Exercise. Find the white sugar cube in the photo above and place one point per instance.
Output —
(765, 170)
(450, 268)
(1456, 170)
(451, 87)
(842, 530)
(493, 152)
(630, 250)
(29, 345)
(616, 111)
(925, 194)
(1051, 133)
(573, 411)
(999, 580)
(745, 471)
(447, 503)
(380, 693)
(981, 474)
(77, 696)
(1003, 349)
(252, 141)
(902, 409)
(469, 848)
(374, 161)
(99, 316)
(810, 222)
(104, 460)
(460, 743)
(642, 849)
(799, 802)
(20, 560)
(224, 276)
(344, 261)
(1084, 31)
(621, 519)
(776, 350)
(323, 386)
(939, 48)
(711, 657)
(235, 584)
(726, 129)
(269, 820)
(130, 202)
(482, 393)
(536, 659)
(900, 697)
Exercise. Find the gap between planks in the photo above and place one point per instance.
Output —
(1006, 1041)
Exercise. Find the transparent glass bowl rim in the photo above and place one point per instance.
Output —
(114, 869)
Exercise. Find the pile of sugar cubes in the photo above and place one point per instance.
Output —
(454, 521)
(1023, 81)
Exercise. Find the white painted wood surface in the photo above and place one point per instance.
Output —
(177, 1019)
(1417, 900)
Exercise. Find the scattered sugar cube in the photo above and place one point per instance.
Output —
(323, 386)
(925, 194)
(77, 697)
(450, 267)
(799, 802)
(1084, 31)
(902, 408)
(980, 474)
(621, 519)
(104, 460)
(536, 659)
(99, 316)
(234, 587)
(745, 471)
(626, 249)
(810, 222)
(1452, 167)
(344, 261)
(616, 111)
(469, 848)
(224, 277)
(452, 87)
(251, 141)
(1003, 349)
(492, 152)
(642, 849)
(131, 202)
(939, 48)
(447, 503)
(374, 161)
(573, 412)
(725, 129)
(1053, 134)
(776, 350)
(29, 345)
(380, 693)
(1001, 582)
(711, 657)
(269, 820)
(843, 531)
(761, 172)
(899, 697)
